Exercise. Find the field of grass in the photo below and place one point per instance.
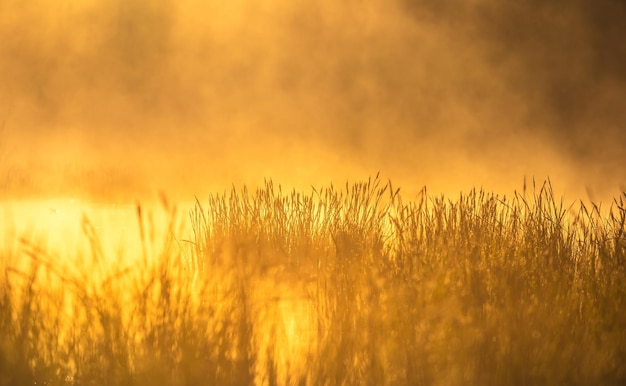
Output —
(335, 286)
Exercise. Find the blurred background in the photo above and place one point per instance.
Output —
(116, 100)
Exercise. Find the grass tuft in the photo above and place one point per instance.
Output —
(336, 286)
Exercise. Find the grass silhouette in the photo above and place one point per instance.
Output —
(336, 286)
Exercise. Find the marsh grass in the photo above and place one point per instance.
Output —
(348, 285)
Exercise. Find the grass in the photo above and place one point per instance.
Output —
(337, 286)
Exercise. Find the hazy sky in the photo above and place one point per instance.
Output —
(119, 98)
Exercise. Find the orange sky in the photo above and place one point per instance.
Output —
(117, 99)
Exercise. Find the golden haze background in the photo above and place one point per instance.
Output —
(117, 99)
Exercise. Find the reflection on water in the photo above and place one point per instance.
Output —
(59, 225)
(286, 323)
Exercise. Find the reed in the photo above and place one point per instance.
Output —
(340, 285)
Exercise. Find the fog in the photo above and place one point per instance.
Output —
(116, 100)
